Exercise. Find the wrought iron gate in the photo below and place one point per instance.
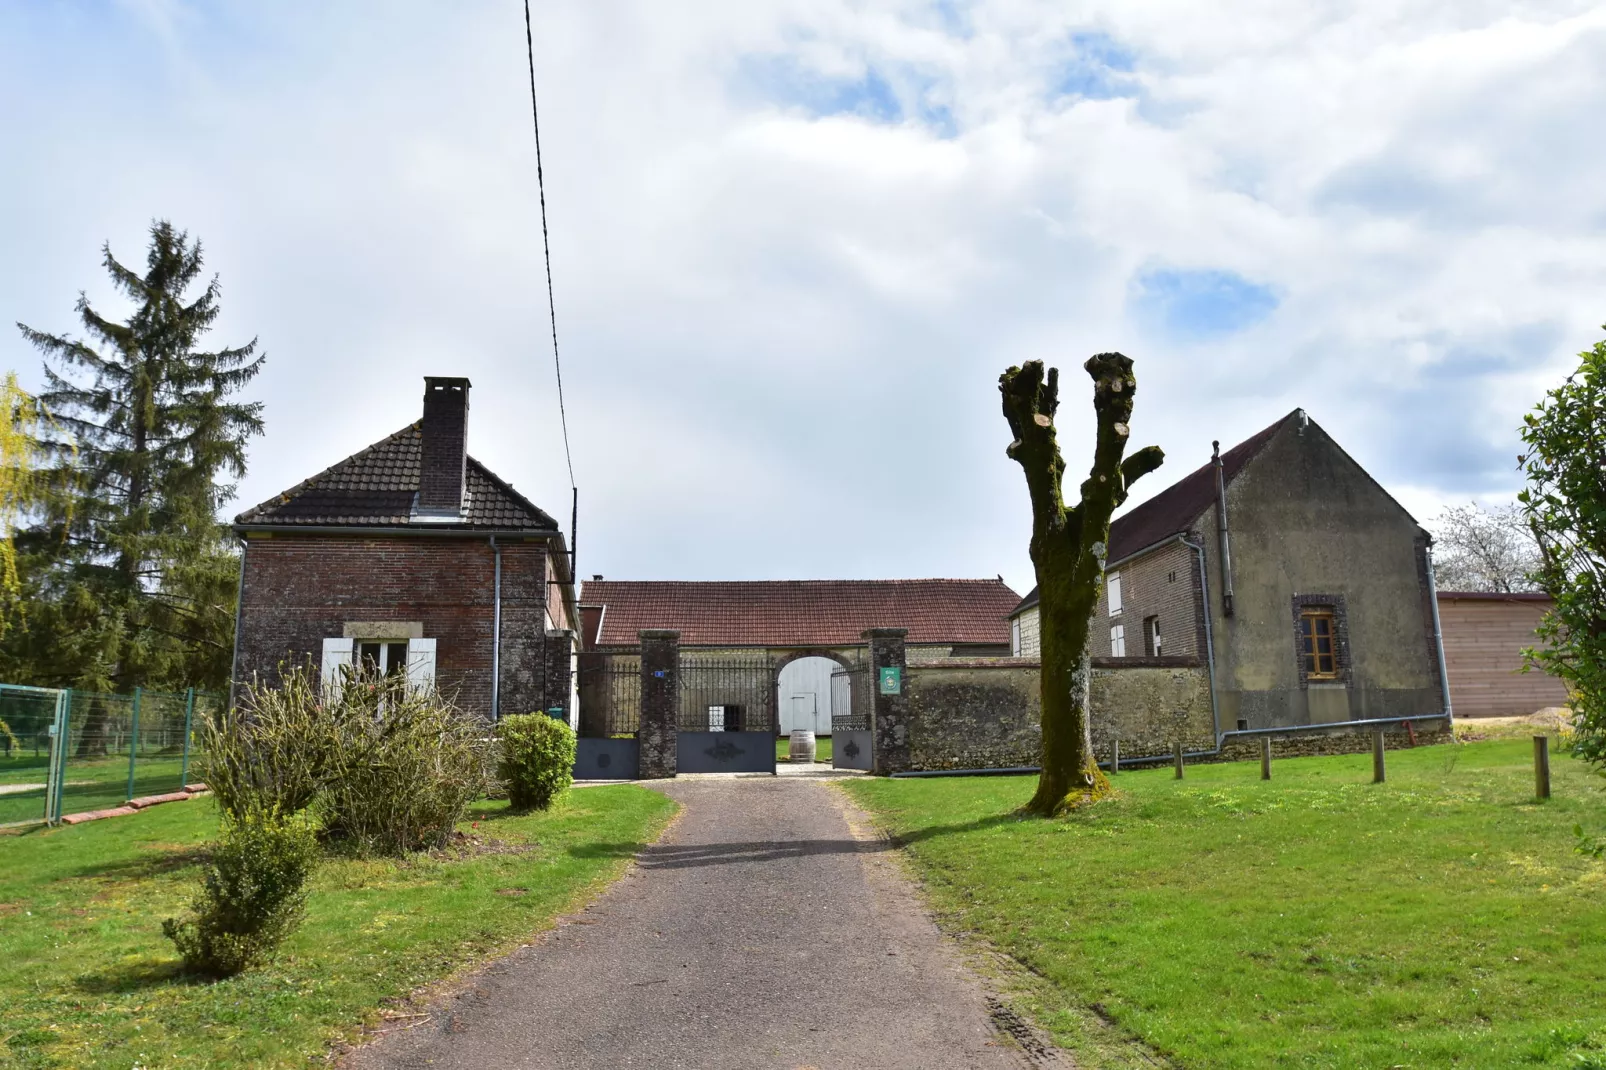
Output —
(610, 716)
(726, 719)
(852, 737)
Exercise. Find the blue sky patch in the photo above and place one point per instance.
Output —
(784, 81)
(1099, 68)
(1202, 303)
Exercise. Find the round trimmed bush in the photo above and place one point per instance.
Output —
(536, 759)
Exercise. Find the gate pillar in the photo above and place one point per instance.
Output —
(890, 709)
(660, 702)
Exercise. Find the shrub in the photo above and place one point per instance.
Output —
(388, 767)
(403, 772)
(253, 894)
(270, 755)
(536, 759)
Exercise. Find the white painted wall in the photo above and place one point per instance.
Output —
(804, 694)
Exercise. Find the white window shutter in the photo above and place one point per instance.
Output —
(421, 664)
(1118, 641)
(336, 656)
(1114, 588)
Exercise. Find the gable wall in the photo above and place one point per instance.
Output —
(301, 589)
(1307, 520)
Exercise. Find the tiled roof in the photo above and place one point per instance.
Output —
(802, 612)
(1173, 510)
(375, 487)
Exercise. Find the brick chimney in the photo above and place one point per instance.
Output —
(444, 463)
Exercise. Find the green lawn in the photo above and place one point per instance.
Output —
(91, 785)
(822, 748)
(1442, 919)
(88, 980)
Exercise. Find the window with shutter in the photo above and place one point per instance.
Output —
(1113, 585)
(1118, 641)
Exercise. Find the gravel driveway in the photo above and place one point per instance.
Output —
(760, 932)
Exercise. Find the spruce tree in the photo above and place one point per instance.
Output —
(133, 571)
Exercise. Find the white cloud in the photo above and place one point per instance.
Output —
(782, 329)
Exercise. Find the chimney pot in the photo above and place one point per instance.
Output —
(443, 465)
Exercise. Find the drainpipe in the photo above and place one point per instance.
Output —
(1221, 532)
(1438, 633)
(496, 634)
(1210, 641)
(239, 603)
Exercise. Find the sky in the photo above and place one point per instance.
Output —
(795, 242)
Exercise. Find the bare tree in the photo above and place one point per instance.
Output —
(1480, 549)
(1069, 547)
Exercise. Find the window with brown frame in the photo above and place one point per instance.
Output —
(1318, 643)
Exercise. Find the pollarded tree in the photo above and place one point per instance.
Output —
(141, 592)
(1069, 546)
(1565, 503)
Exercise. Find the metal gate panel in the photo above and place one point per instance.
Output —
(850, 749)
(606, 759)
(725, 752)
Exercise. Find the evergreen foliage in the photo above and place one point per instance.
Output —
(1565, 503)
(130, 574)
(535, 760)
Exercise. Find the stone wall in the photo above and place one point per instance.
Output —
(1316, 740)
(987, 713)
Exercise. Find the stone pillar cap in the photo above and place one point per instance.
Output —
(884, 633)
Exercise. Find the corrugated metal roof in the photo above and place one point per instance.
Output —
(802, 612)
(375, 487)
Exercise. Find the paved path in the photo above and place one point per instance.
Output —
(759, 933)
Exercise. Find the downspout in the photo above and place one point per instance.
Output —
(496, 634)
(1438, 632)
(239, 603)
(1210, 640)
(1221, 532)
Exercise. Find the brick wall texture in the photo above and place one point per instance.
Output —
(1483, 642)
(299, 590)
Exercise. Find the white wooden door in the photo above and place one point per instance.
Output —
(804, 690)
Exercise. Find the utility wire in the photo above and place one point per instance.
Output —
(546, 243)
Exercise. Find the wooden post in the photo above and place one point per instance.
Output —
(1379, 774)
(1265, 757)
(1115, 756)
(1542, 766)
(1177, 752)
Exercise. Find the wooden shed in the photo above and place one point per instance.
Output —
(1484, 636)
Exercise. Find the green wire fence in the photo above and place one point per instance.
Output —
(68, 751)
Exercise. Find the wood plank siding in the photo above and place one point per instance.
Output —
(1484, 635)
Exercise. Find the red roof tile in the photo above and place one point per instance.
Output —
(802, 612)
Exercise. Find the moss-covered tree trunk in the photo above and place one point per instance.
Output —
(1069, 546)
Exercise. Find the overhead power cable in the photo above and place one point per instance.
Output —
(546, 244)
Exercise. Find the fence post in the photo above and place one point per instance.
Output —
(1177, 755)
(1265, 757)
(1379, 773)
(64, 743)
(133, 745)
(50, 767)
(189, 714)
(1542, 766)
(1115, 756)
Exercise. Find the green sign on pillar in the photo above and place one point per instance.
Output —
(891, 679)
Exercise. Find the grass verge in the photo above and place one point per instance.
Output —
(822, 748)
(1440, 919)
(87, 979)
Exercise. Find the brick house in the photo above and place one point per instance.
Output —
(1306, 589)
(809, 630)
(412, 557)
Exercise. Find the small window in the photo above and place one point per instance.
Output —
(1114, 586)
(1318, 643)
(1118, 641)
(1014, 637)
(1171, 577)
(382, 658)
(1151, 636)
